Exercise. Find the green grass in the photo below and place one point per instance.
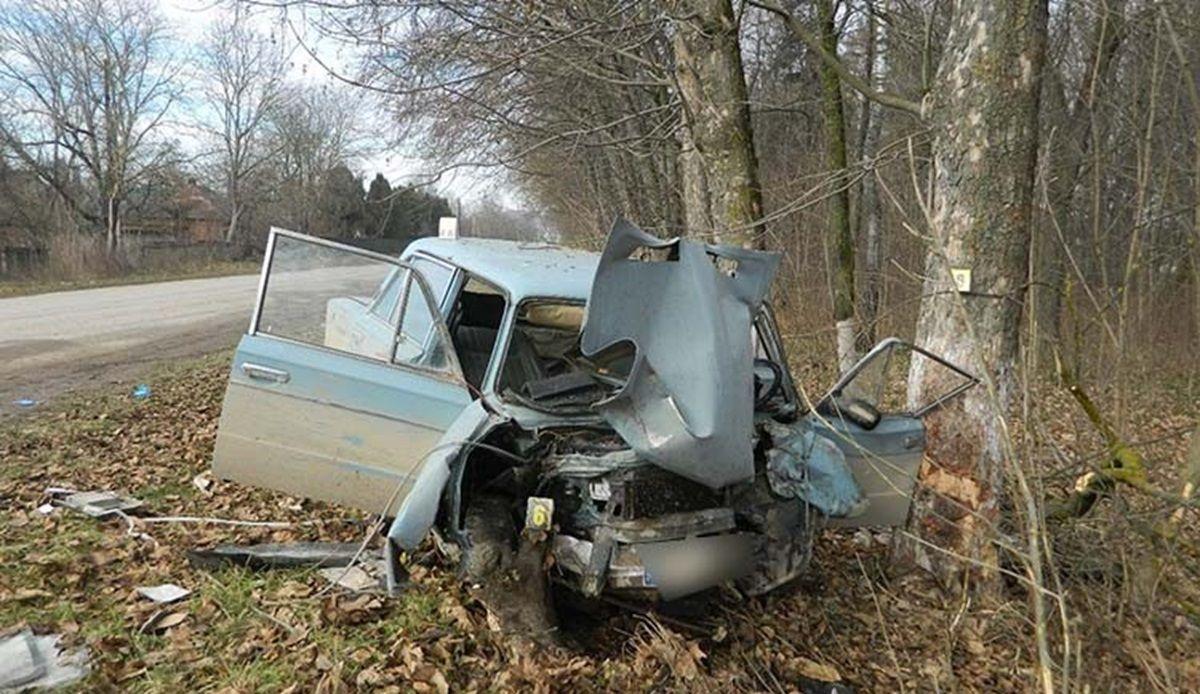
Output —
(222, 268)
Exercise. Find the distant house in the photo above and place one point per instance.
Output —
(187, 213)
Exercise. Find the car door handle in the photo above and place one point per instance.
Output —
(265, 373)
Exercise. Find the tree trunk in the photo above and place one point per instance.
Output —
(1070, 148)
(235, 215)
(697, 214)
(112, 224)
(840, 238)
(235, 205)
(708, 67)
(869, 209)
(984, 113)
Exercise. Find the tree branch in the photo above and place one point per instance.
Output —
(889, 99)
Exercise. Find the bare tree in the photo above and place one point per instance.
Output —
(87, 83)
(985, 102)
(244, 71)
(840, 235)
(314, 133)
(712, 85)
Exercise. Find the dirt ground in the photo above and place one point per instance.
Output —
(854, 620)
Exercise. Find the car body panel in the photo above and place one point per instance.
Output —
(884, 460)
(522, 269)
(687, 404)
(341, 429)
(323, 423)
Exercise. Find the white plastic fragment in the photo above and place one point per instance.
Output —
(164, 593)
(204, 483)
(359, 578)
(99, 504)
(35, 662)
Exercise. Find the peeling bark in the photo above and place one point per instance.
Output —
(984, 107)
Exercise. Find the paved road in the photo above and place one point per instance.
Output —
(52, 343)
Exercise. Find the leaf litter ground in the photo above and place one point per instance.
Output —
(280, 630)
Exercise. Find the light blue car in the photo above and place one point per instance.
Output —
(631, 412)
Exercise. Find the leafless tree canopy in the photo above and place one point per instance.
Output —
(88, 84)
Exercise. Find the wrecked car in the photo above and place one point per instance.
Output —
(631, 413)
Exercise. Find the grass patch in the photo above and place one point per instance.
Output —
(221, 268)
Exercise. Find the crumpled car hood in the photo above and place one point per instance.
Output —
(688, 402)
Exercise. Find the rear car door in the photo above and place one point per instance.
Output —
(345, 380)
(882, 437)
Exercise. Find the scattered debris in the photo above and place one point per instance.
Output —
(98, 504)
(164, 593)
(203, 482)
(358, 578)
(46, 509)
(28, 662)
(141, 391)
(163, 620)
(25, 402)
(267, 556)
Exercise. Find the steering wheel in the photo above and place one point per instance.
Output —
(768, 379)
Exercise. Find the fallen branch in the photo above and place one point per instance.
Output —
(1123, 464)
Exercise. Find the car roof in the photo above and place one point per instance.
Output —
(521, 268)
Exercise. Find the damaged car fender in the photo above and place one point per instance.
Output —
(418, 511)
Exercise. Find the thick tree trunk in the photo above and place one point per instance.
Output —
(984, 116)
(840, 238)
(708, 66)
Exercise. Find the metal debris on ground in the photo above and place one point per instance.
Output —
(164, 593)
(28, 661)
(359, 578)
(25, 402)
(162, 621)
(267, 556)
(98, 504)
(141, 391)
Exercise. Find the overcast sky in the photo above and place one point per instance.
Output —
(190, 19)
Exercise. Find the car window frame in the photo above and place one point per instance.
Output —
(507, 321)
(456, 276)
(452, 374)
(397, 275)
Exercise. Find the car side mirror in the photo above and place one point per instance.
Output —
(856, 410)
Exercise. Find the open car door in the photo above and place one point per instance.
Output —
(345, 380)
(883, 438)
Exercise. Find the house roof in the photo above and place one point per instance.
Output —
(522, 268)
